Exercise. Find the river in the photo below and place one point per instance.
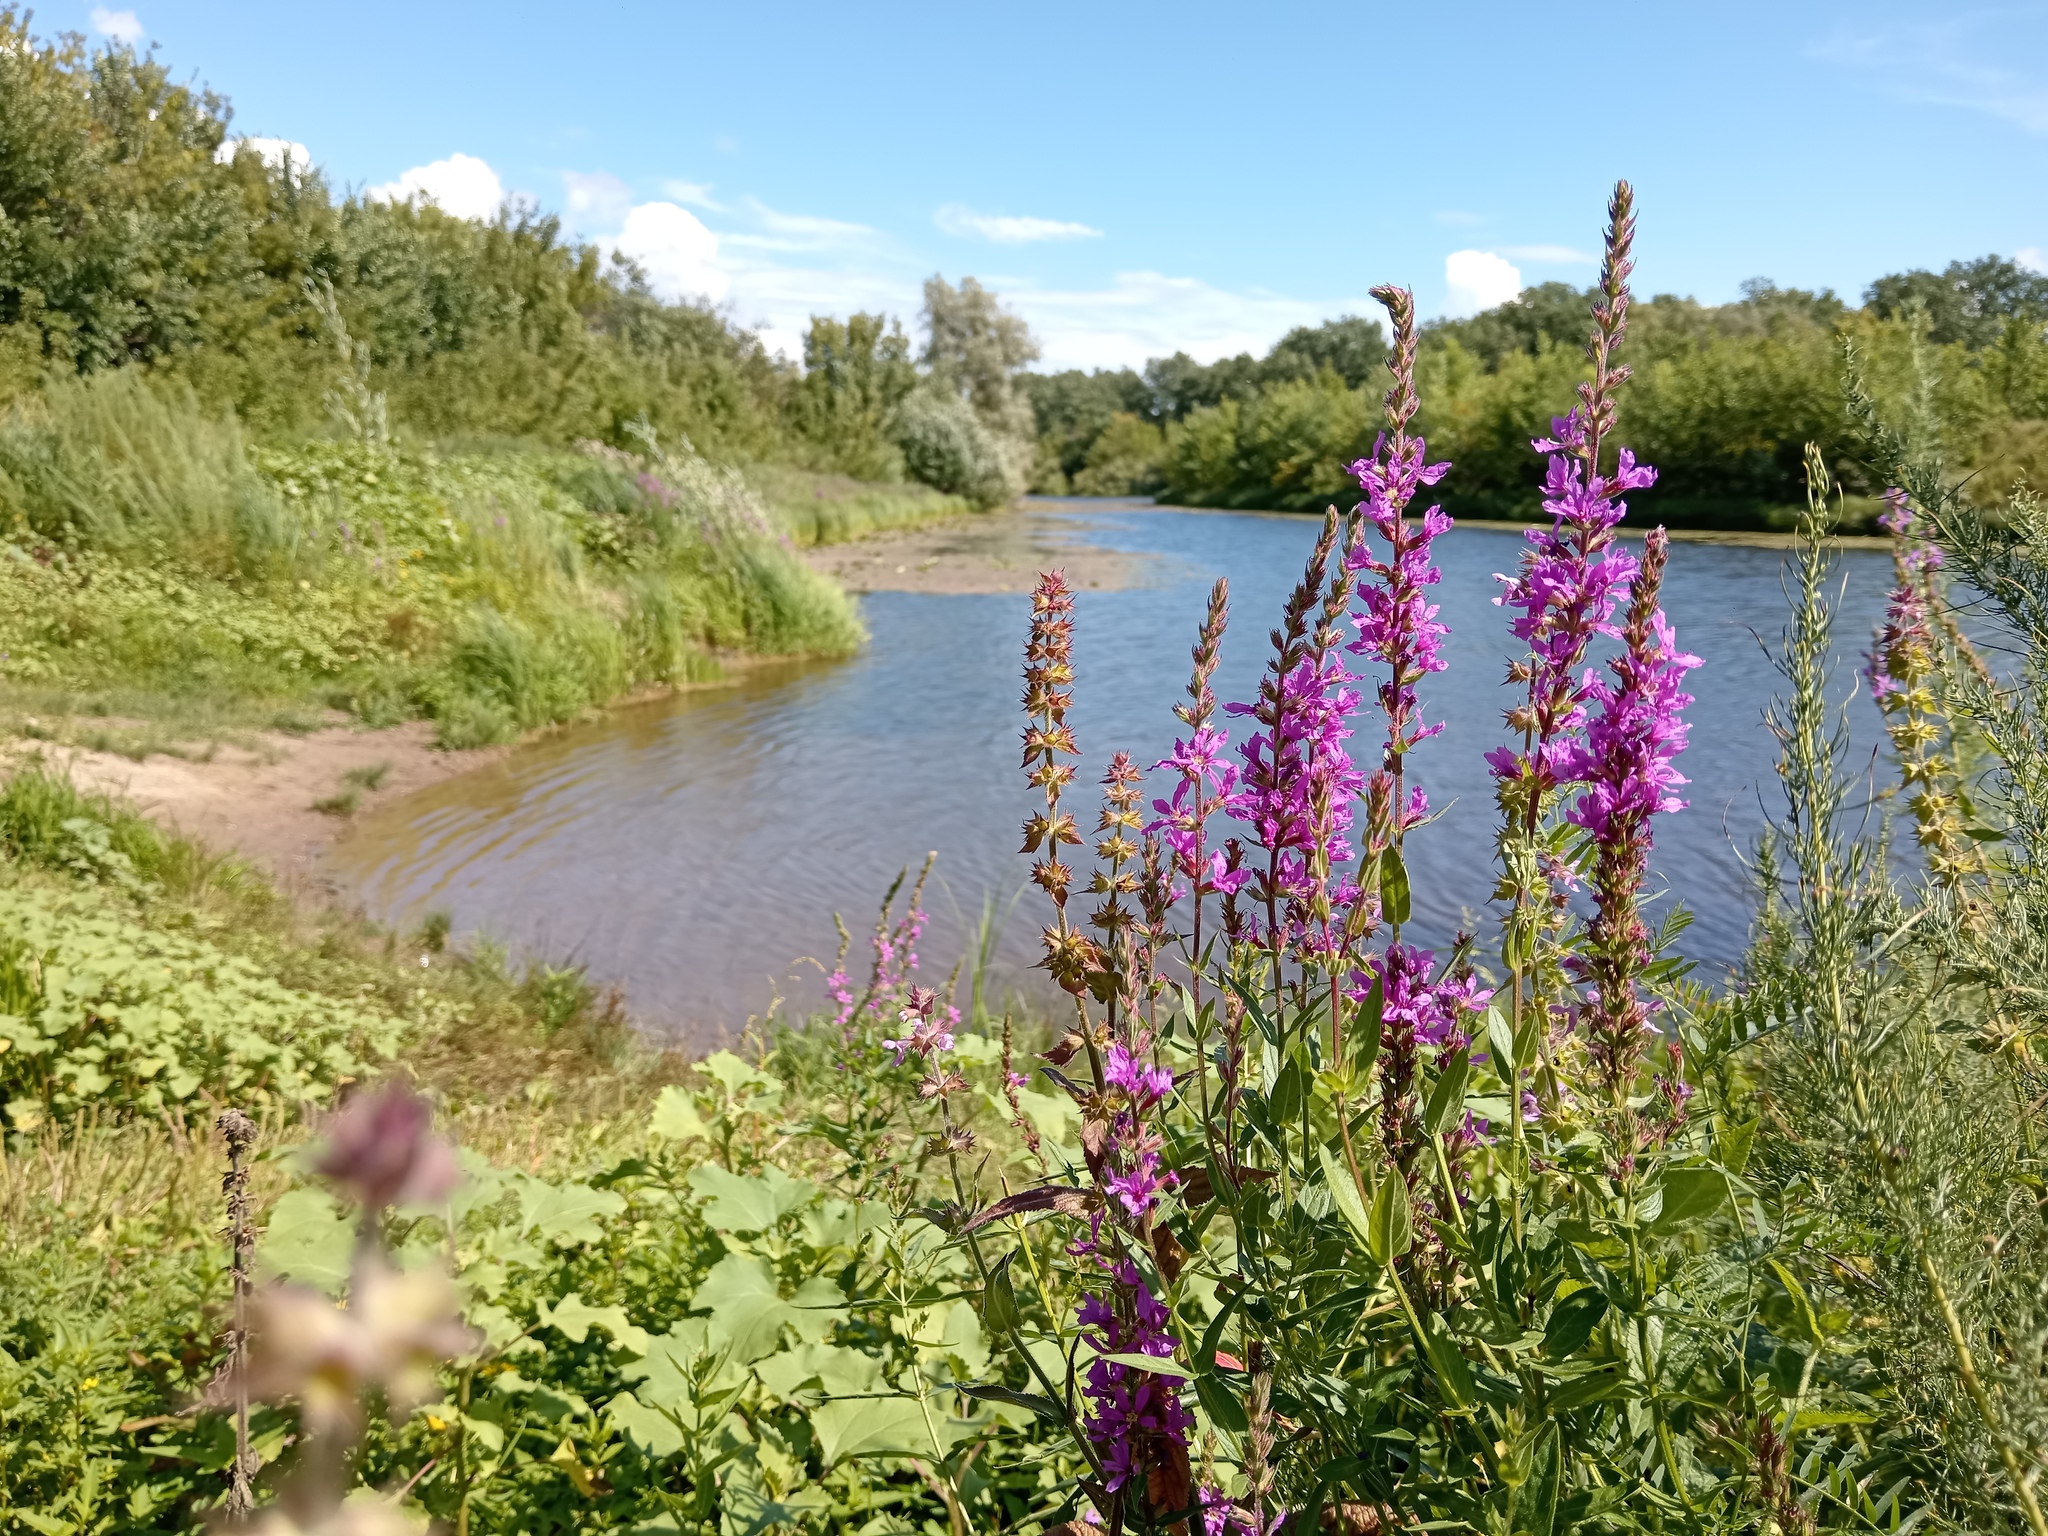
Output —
(693, 850)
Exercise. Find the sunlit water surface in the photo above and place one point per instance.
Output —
(692, 851)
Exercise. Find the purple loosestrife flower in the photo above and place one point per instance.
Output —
(1397, 624)
(1297, 782)
(1135, 1417)
(1206, 778)
(1417, 1010)
(1573, 575)
(1625, 763)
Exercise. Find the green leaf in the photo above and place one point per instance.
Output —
(1691, 1194)
(1447, 1363)
(1804, 1316)
(999, 1298)
(573, 1316)
(1283, 1099)
(1448, 1097)
(1390, 1228)
(737, 1202)
(811, 1372)
(566, 1214)
(1393, 886)
(1572, 1322)
(886, 1426)
(1734, 1143)
(747, 1312)
(1365, 1034)
(1536, 1508)
(1221, 1404)
(308, 1239)
(1500, 1038)
(1158, 1364)
(652, 1430)
(675, 1116)
(1344, 1195)
(737, 1077)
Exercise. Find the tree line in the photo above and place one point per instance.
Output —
(1725, 399)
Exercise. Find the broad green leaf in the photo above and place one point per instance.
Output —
(308, 1239)
(1365, 1034)
(738, 1078)
(748, 1314)
(887, 1426)
(845, 1224)
(1500, 1039)
(1447, 1363)
(1690, 1195)
(1157, 1364)
(675, 1116)
(650, 1428)
(738, 1202)
(811, 1372)
(1344, 1195)
(573, 1316)
(566, 1214)
(819, 1304)
(1221, 1404)
(1390, 1227)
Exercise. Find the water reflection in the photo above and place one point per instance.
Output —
(691, 849)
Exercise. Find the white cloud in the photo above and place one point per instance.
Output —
(679, 255)
(1550, 255)
(2030, 257)
(778, 231)
(1476, 280)
(695, 193)
(1006, 229)
(1150, 314)
(121, 26)
(275, 153)
(596, 196)
(461, 185)
(1952, 63)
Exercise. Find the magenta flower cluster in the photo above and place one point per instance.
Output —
(1624, 757)
(1298, 780)
(1130, 1407)
(1398, 624)
(1565, 594)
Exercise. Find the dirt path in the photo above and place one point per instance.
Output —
(256, 797)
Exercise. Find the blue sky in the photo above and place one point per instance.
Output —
(1139, 178)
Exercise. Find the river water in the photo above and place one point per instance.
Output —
(692, 851)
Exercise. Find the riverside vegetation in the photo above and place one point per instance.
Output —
(1277, 1224)
(263, 451)
(1724, 401)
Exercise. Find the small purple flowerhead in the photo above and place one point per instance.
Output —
(383, 1150)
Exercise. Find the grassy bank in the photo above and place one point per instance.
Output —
(155, 565)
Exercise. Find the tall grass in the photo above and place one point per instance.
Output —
(495, 590)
